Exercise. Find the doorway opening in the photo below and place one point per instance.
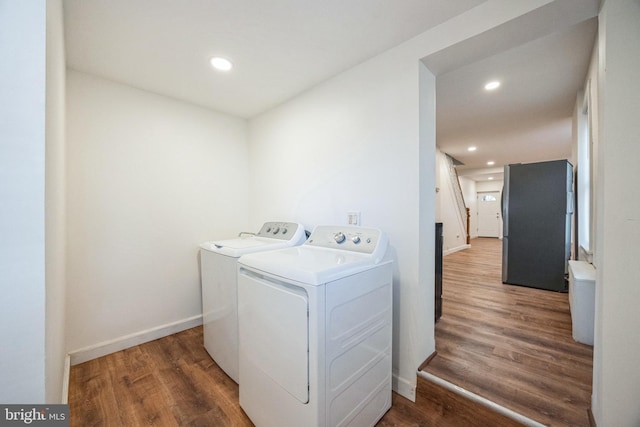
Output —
(498, 338)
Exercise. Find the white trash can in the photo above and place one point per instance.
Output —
(582, 298)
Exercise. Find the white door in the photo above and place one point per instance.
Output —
(273, 320)
(489, 214)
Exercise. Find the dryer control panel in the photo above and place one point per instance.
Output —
(371, 241)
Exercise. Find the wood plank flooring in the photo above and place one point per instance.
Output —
(510, 344)
(173, 382)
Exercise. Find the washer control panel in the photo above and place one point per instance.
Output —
(349, 238)
(278, 230)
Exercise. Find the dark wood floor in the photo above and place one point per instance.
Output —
(173, 382)
(167, 382)
(510, 344)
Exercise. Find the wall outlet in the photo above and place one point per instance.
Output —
(353, 218)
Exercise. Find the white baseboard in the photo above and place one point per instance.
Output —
(127, 341)
(404, 387)
(459, 248)
(65, 379)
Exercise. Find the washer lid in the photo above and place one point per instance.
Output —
(272, 235)
(241, 246)
(308, 264)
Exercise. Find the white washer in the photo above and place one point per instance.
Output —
(218, 263)
(315, 327)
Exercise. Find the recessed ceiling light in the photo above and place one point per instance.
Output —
(490, 178)
(221, 64)
(491, 163)
(472, 149)
(492, 85)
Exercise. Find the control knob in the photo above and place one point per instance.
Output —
(355, 239)
(339, 237)
(275, 230)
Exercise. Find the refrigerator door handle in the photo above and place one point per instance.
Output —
(504, 203)
(504, 206)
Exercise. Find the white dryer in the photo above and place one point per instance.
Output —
(218, 263)
(315, 326)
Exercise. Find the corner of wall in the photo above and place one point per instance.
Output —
(405, 387)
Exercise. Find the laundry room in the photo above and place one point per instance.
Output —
(150, 177)
(132, 167)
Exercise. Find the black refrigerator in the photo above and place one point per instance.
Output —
(537, 204)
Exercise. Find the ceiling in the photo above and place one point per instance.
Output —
(529, 117)
(281, 48)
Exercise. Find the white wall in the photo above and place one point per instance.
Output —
(494, 185)
(365, 141)
(414, 328)
(616, 382)
(55, 234)
(22, 192)
(149, 178)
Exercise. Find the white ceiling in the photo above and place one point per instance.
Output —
(527, 119)
(281, 48)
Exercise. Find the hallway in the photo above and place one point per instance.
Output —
(510, 344)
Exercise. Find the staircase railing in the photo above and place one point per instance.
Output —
(457, 190)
